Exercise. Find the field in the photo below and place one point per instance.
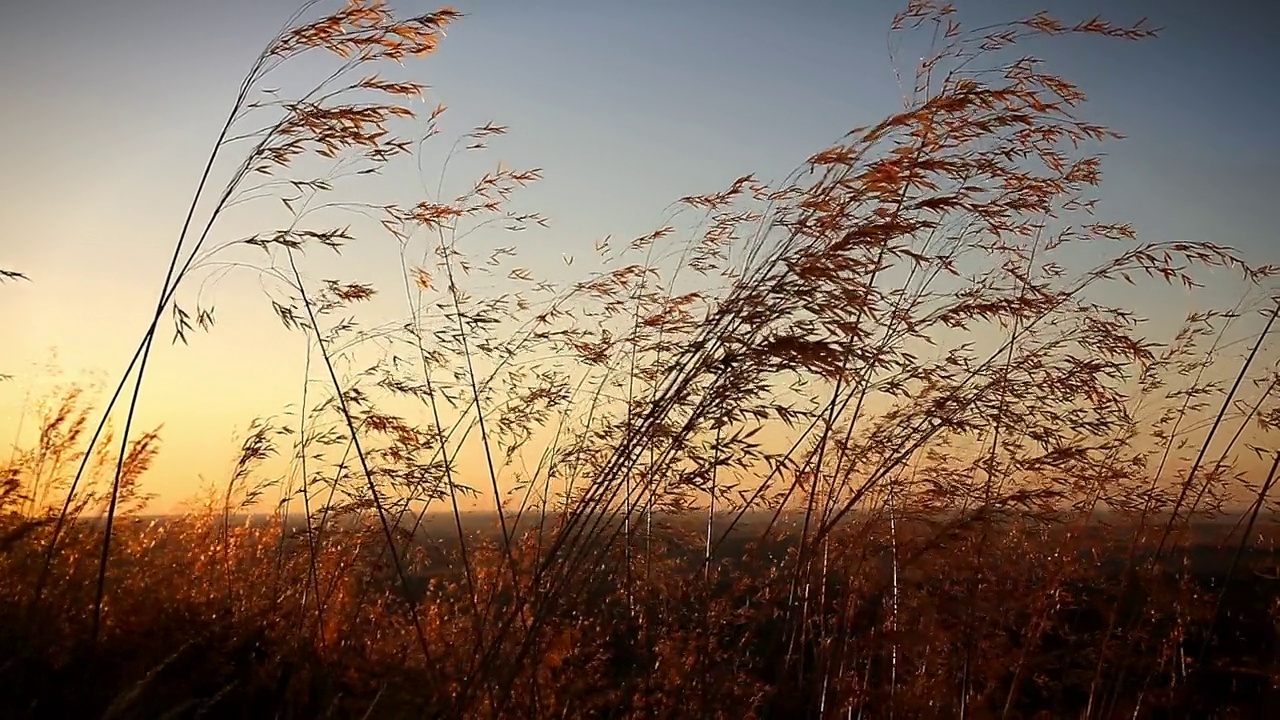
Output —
(908, 434)
(1048, 620)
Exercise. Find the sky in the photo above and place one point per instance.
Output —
(109, 107)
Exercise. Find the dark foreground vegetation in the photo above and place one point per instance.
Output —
(1032, 621)
(877, 442)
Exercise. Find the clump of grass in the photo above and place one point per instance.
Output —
(870, 441)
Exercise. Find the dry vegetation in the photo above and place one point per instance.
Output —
(870, 443)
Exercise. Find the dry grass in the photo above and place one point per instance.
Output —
(870, 442)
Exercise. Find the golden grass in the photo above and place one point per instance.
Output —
(865, 443)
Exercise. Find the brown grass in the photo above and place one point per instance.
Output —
(871, 442)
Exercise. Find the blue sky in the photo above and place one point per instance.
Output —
(110, 105)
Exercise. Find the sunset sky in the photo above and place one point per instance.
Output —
(110, 106)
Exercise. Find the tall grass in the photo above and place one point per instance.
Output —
(870, 442)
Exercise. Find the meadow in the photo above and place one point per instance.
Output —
(891, 438)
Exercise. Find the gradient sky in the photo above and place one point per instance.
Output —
(109, 107)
